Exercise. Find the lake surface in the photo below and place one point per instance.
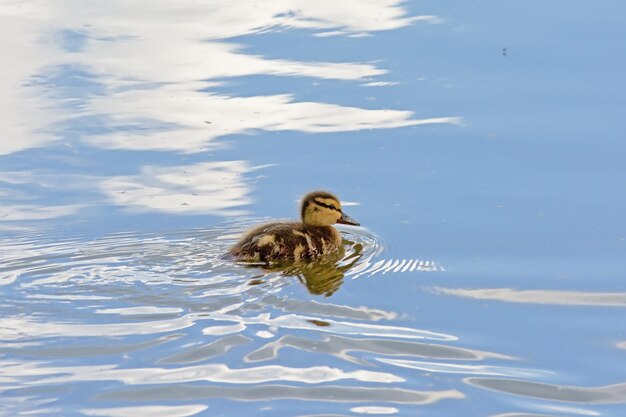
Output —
(480, 144)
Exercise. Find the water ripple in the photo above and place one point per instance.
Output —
(165, 317)
(554, 297)
(587, 395)
(216, 373)
(330, 393)
(147, 411)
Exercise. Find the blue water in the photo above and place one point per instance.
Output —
(480, 145)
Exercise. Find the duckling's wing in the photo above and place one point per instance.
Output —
(262, 241)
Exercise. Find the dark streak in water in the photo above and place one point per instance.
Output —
(599, 395)
(282, 392)
(341, 347)
(208, 351)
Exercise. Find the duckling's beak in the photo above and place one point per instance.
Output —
(345, 219)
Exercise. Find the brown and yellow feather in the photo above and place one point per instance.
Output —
(313, 237)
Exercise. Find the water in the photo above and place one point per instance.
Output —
(478, 143)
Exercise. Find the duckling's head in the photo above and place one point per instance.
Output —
(321, 208)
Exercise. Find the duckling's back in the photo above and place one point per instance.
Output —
(286, 241)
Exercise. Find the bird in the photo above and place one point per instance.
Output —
(310, 238)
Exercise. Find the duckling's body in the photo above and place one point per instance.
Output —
(312, 237)
(287, 241)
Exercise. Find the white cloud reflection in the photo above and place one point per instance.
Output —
(204, 188)
(34, 212)
(374, 410)
(155, 61)
(201, 117)
(24, 327)
(19, 201)
(213, 372)
(146, 75)
(26, 111)
(148, 411)
(555, 297)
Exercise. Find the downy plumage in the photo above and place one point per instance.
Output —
(312, 237)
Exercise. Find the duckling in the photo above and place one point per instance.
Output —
(294, 241)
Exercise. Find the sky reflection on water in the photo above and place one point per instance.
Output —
(92, 84)
(573, 298)
(481, 144)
